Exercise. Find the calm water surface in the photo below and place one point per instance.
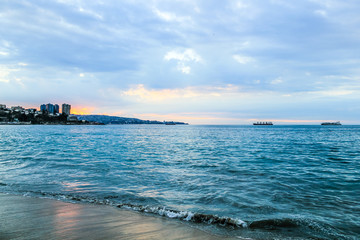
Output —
(259, 182)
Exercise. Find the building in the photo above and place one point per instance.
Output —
(17, 109)
(2, 106)
(31, 110)
(66, 109)
(42, 107)
(50, 108)
(56, 108)
(72, 118)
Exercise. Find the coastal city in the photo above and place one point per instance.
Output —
(48, 114)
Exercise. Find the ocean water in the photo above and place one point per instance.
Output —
(256, 182)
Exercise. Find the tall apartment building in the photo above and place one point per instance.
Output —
(43, 107)
(50, 108)
(56, 108)
(66, 109)
(2, 106)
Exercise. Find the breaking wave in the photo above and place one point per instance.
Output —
(187, 215)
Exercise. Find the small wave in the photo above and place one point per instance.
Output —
(187, 215)
(3, 184)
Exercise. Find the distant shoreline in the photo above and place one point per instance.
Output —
(81, 123)
(67, 123)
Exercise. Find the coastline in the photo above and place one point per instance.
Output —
(49, 123)
(37, 218)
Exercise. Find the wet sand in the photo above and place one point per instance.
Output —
(34, 218)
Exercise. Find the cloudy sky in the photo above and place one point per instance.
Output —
(198, 61)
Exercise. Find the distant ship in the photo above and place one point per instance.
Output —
(331, 123)
(263, 123)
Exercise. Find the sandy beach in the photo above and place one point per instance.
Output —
(34, 218)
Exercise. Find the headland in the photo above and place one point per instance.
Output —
(49, 115)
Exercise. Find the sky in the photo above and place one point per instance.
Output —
(196, 61)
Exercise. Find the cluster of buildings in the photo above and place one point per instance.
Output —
(48, 113)
(50, 109)
(54, 108)
(17, 109)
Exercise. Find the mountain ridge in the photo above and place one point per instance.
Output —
(106, 119)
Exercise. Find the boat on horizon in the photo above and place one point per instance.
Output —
(263, 123)
(331, 123)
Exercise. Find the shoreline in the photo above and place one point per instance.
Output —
(81, 123)
(49, 123)
(37, 218)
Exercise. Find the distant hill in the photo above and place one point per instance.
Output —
(120, 120)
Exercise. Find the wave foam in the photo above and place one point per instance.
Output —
(187, 215)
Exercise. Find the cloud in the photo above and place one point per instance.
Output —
(170, 17)
(144, 94)
(241, 4)
(6, 73)
(277, 81)
(321, 13)
(6, 48)
(335, 92)
(20, 82)
(91, 13)
(243, 59)
(183, 59)
(184, 69)
(84, 7)
(187, 55)
(327, 3)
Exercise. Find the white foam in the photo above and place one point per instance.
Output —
(189, 216)
(184, 215)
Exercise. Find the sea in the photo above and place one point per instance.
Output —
(248, 182)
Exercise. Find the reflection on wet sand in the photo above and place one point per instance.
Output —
(33, 218)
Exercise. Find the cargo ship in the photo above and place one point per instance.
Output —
(331, 123)
(263, 123)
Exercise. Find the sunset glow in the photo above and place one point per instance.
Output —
(82, 110)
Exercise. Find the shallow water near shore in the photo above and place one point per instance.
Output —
(260, 182)
(42, 219)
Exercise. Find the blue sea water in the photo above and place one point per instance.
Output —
(258, 182)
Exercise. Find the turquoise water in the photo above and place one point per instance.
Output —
(260, 182)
